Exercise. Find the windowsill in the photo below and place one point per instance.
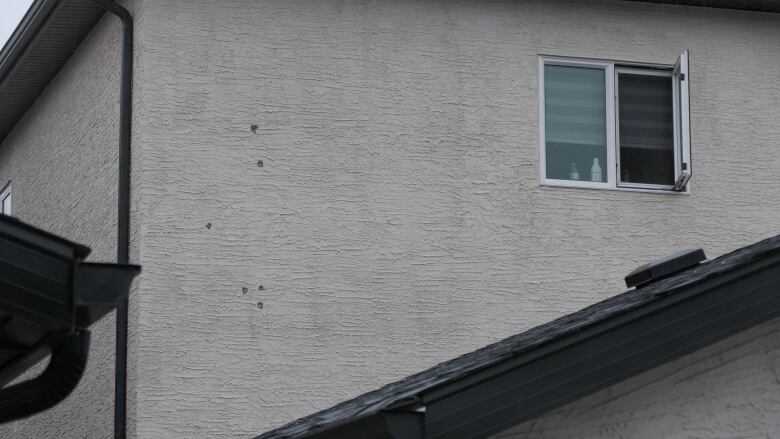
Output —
(605, 186)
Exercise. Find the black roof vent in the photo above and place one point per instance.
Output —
(661, 268)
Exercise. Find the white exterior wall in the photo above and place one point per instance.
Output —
(728, 390)
(398, 220)
(62, 160)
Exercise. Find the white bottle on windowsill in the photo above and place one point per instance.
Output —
(595, 170)
(574, 174)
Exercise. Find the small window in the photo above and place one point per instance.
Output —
(5, 200)
(612, 125)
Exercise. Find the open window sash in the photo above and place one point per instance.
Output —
(682, 124)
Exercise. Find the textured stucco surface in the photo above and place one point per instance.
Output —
(61, 159)
(728, 390)
(397, 219)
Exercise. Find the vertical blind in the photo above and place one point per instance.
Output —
(575, 121)
(575, 105)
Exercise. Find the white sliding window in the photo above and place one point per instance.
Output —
(576, 132)
(612, 125)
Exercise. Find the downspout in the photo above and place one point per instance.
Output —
(63, 373)
(123, 218)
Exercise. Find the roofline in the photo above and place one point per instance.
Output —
(744, 5)
(381, 425)
(28, 27)
(40, 45)
(22, 34)
(490, 401)
(578, 354)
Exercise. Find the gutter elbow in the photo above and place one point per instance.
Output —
(116, 9)
(65, 369)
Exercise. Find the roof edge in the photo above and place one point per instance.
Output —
(519, 378)
(41, 45)
(31, 24)
(770, 6)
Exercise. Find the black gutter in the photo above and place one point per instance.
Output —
(50, 296)
(63, 373)
(123, 218)
(492, 401)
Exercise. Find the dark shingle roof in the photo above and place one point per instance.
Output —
(413, 388)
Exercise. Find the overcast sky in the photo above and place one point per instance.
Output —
(11, 11)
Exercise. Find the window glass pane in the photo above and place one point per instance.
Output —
(646, 128)
(575, 122)
(7, 205)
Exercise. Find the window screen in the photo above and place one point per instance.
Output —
(645, 128)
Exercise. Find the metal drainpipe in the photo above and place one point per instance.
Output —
(123, 219)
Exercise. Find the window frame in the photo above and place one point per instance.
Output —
(608, 68)
(611, 69)
(6, 193)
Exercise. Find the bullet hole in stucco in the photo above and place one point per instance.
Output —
(259, 163)
(261, 288)
(259, 305)
(244, 290)
(254, 128)
(208, 226)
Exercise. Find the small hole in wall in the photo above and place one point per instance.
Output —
(244, 290)
(259, 163)
(261, 288)
(254, 128)
(208, 226)
(259, 305)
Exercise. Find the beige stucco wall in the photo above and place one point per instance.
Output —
(62, 159)
(728, 390)
(397, 220)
